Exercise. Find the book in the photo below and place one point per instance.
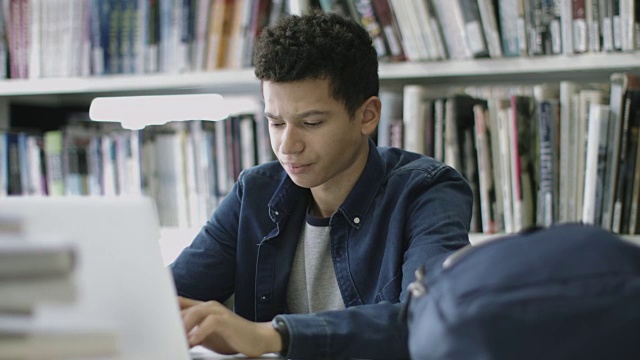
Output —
(239, 34)
(592, 15)
(413, 118)
(579, 29)
(460, 148)
(488, 17)
(25, 340)
(362, 11)
(587, 97)
(595, 156)
(4, 51)
(390, 28)
(220, 23)
(626, 195)
(566, 20)
(21, 294)
(547, 126)
(566, 156)
(25, 259)
(418, 18)
(508, 18)
(627, 25)
(452, 21)
(409, 37)
(473, 29)
(4, 173)
(523, 157)
(621, 83)
(606, 24)
(392, 105)
(487, 188)
(625, 166)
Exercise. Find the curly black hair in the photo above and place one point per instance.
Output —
(320, 46)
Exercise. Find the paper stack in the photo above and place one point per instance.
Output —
(33, 273)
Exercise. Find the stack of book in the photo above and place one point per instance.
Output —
(33, 274)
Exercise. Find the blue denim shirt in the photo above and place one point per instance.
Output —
(406, 210)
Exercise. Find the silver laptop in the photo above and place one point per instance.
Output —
(122, 283)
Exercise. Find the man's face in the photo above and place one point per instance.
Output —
(312, 135)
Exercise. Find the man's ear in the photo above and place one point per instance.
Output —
(370, 115)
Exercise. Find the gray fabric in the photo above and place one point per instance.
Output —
(312, 285)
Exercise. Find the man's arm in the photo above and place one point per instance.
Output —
(205, 269)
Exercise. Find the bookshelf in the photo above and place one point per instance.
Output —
(62, 91)
(581, 66)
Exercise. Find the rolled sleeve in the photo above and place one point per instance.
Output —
(381, 334)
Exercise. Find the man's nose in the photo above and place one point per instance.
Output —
(291, 141)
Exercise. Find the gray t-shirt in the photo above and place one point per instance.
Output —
(312, 285)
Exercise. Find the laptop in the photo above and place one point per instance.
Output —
(122, 283)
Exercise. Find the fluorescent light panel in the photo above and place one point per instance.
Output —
(136, 112)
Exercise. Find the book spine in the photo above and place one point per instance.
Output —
(593, 25)
(597, 122)
(473, 31)
(413, 118)
(535, 29)
(580, 34)
(485, 172)
(616, 222)
(35, 48)
(409, 39)
(53, 144)
(601, 161)
(546, 141)
(362, 11)
(200, 33)
(508, 15)
(390, 29)
(490, 27)
(606, 24)
(566, 19)
(522, 26)
(4, 51)
(632, 146)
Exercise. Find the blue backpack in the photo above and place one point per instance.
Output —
(566, 292)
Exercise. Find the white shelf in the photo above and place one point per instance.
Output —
(488, 69)
(540, 68)
(222, 80)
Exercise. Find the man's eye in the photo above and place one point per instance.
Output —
(275, 125)
(313, 124)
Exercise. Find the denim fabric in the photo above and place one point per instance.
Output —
(406, 210)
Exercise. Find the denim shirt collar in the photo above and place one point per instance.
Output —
(355, 206)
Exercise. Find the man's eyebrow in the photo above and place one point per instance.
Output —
(302, 115)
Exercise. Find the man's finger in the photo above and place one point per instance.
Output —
(186, 303)
(205, 328)
(194, 315)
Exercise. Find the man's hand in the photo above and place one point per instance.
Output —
(217, 328)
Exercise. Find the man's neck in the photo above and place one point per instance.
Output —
(328, 197)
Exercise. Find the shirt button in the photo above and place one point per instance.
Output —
(356, 220)
(264, 298)
(277, 213)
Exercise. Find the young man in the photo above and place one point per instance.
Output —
(325, 240)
